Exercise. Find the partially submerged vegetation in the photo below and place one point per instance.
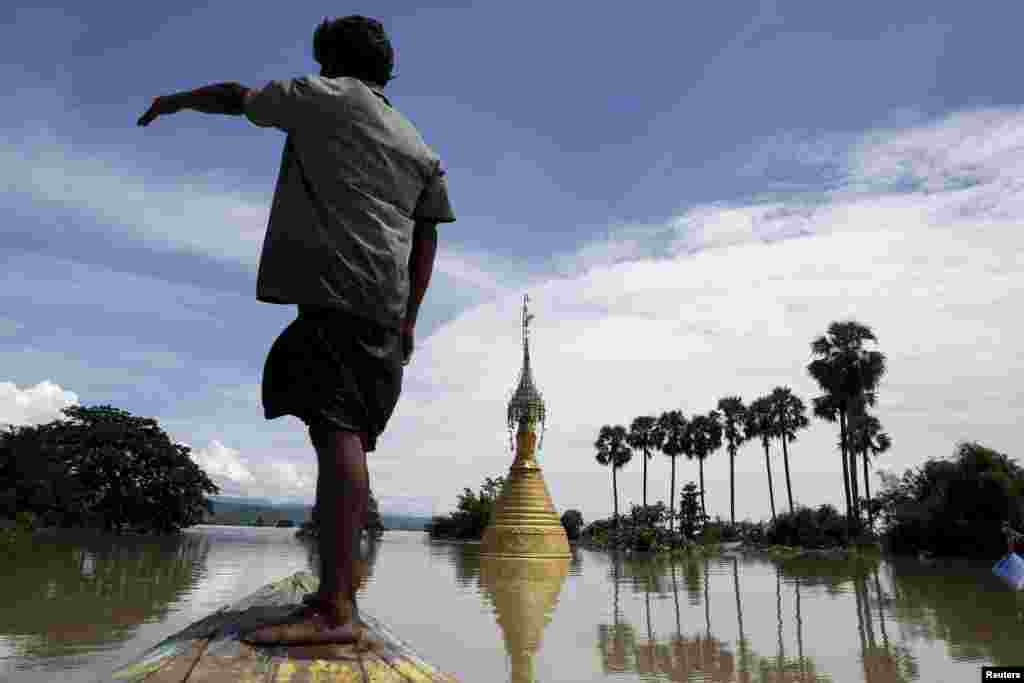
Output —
(100, 468)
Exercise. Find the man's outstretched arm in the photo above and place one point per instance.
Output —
(220, 98)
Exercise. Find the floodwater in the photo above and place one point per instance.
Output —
(74, 606)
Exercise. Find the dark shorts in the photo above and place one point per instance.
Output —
(334, 371)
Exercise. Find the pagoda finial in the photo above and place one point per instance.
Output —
(526, 409)
(527, 317)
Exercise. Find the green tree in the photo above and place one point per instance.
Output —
(732, 413)
(613, 451)
(867, 438)
(103, 467)
(644, 437)
(790, 417)
(706, 438)
(675, 441)
(572, 522)
(473, 512)
(691, 511)
(374, 524)
(760, 424)
(953, 506)
(847, 373)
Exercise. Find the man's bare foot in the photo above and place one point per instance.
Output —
(312, 625)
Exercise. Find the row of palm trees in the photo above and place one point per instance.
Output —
(848, 375)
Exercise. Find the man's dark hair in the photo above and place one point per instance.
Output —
(354, 46)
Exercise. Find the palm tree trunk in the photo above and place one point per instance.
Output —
(771, 491)
(645, 483)
(781, 658)
(672, 496)
(703, 508)
(707, 599)
(742, 646)
(860, 629)
(799, 628)
(881, 612)
(789, 485)
(854, 485)
(732, 484)
(867, 492)
(846, 472)
(615, 496)
(675, 595)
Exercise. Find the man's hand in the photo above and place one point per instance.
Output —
(408, 340)
(161, 106)
(219, 98)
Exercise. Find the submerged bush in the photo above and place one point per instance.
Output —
(954, 506)
(809, 528)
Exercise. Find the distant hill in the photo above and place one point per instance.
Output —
(245, 511)
(403, 522)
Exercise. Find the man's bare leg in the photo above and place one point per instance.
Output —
(343, 490)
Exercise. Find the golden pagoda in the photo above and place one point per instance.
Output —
(525, 523)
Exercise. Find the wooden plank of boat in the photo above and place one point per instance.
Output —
(210, 650)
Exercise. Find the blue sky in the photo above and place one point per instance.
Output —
(689, 193)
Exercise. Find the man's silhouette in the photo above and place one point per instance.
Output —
(351, 241)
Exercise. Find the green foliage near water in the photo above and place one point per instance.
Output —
(954, 506)
(101, 467)
(650, 529)
(572, 522)
(472, 514)
(374, 526)
(807, 528)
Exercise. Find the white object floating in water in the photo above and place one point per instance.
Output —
(1011, 570)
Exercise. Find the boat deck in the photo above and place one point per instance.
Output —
(209, 651)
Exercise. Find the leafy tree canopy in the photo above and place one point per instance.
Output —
(954, 506)
(102, 467)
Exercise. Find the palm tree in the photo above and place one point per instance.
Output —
(644, 436)
(847, 373)
(760, 424)
(866, 437)
(732, 413)
(789, 417)
(613, 451)
(827, 408)
(706, 437)
(675, 441)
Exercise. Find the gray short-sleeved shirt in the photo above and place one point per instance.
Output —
(355, 176)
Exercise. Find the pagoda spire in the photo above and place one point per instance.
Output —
(526, 409)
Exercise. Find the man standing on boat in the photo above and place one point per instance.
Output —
(351, 241)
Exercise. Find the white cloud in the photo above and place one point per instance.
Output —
(222, 464)
(33, 405)
(728, 309)
(237, 475)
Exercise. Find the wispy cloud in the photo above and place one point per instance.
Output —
(916, 233)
